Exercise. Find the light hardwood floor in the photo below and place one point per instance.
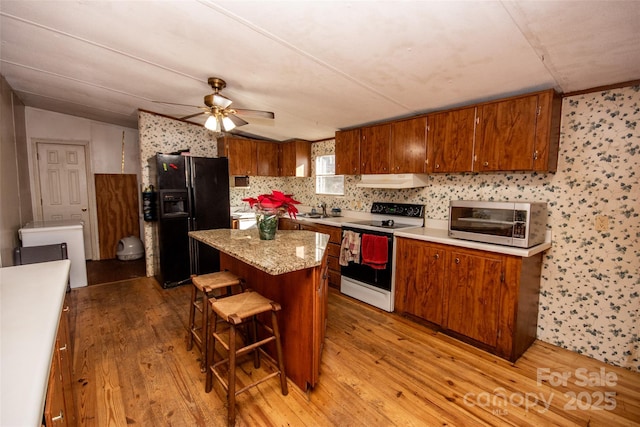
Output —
(378, 369)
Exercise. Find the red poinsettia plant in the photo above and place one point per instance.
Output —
(276, 201)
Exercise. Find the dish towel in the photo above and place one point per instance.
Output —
(350, 248)
(375, 251)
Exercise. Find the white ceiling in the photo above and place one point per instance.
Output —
(319, 65)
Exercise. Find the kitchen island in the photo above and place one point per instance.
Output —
(291, 270)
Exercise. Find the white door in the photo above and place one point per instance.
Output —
(63, 186)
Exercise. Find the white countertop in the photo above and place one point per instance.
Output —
(31, 300)
(436, 233)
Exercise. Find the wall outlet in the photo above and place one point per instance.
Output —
(602, 223)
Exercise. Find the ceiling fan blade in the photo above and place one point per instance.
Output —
(192, 115)
(237, 120)
(255, 113)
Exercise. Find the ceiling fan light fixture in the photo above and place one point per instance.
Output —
(212, 124)
(227, 124)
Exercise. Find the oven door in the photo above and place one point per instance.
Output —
(378, 278)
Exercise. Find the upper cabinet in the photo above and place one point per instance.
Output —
(263, 158)
(295, 158)
(450, 141)
(348, 152)
(409, 146)
(518, 134)
(267, 158)
(242, 155)
(375, 143)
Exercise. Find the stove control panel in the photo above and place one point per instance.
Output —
(398, 209)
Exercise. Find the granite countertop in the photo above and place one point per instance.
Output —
(31, 300)
(291, 250)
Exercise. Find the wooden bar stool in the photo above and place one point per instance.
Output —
(237, 310)
(203, 289)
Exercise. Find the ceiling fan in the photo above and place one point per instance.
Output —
(221, 116)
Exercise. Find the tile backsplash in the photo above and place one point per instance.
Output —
(590, 290)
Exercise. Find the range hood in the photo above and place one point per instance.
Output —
(393, 181)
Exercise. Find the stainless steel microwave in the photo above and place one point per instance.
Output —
(519, 224)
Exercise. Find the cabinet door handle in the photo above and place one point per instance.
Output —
(437, 256)
(63, 348)
(457, 260)
(485, 164)
(437, 166)
(58, 418)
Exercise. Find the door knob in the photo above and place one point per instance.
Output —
(84, 209)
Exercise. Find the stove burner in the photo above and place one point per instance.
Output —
(387, 223)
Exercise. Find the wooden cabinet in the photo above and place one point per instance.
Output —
(409, 146)
(420, 276)
(263, 158)
(333, 248)
(267, 158)
(472, 302)
(375, 143)
(288, 224)
(295, 158)
(484, 298)
(348, 152)
(518, 134)
(242, 155)
(450, 137)
(60, 404)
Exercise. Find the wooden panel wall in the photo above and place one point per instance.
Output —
(117, 204)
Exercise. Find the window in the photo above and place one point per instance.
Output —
(327, 182)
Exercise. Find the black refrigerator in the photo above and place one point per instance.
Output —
(193, 194)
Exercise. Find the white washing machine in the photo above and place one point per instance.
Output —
(70, 232)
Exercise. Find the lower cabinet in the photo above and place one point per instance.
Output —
(484, 298)
(59, 407)
(333, 248)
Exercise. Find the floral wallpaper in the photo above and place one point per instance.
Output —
(590, 288)
(159, 134)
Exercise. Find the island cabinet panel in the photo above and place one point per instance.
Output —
(409, 146)
(267, 158)
(375, 143)
(295, 158)
(450, 137)
(487, 299)
(302, 295)
(420, 280)
(242, 155)
(348, 152)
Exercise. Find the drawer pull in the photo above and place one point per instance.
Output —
(457, 260)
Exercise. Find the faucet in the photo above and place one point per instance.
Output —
(323, 206)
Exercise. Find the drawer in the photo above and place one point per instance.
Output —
(333, 263)
(333, 249)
